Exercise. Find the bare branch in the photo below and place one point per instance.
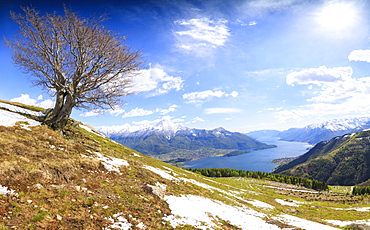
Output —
(84, 63)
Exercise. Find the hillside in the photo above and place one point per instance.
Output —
(173, 142)
(343, 160)
(84, 180)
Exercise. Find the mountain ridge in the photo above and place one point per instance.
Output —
(173, 142)
(343, 160)
(317, 132)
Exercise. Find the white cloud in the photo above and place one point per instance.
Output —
(92, 113)
(202, 34)
(359, 55)
(199, 97)
(336, 83)
(137, 112)
(319, 76)
(222, 110)
(157, 80)
(252, 23)
(196, 120)
(234, 94)
(172, 108)
(340, 94)
(117, 110)
(26, 99)
(355, 106)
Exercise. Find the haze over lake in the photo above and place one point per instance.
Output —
(258, 160)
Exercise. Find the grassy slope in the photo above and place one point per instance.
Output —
(79, 193)
(341, 161)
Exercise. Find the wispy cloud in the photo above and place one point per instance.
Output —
(202, 33)
(199, 97)
(222, 110)
(319, 76)
(359, 55)
(92, 113)
(195, 120)
(358, 105)
(139, 112)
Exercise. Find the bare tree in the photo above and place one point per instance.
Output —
(78, 60)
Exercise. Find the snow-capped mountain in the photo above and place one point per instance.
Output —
(166, 136)
(317, 132)
(164, 127)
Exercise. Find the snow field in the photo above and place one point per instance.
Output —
(201, 213)
(9, 119)
(20, 110)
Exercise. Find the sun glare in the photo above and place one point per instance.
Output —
(336, 16)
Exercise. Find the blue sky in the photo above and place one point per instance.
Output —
(241, 64)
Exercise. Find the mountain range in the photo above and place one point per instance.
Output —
(172, 142)
(317, 132)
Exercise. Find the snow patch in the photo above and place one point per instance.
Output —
(9, 119)
(6, 191)
(361, 209)
(302, 223)
(202, 213)
(161, 173)
(135, 154)
(345, 223)
(292, 203)
(111, 164)
(20, 110)
(260, 204)
(91, 130)
(118, 222)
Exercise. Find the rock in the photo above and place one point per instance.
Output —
(291, 210)
(56, 186)
(38, 186)
(59, 217)
(158, 189)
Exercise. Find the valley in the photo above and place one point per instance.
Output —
(84, 180)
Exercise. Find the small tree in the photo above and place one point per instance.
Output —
(78, 60)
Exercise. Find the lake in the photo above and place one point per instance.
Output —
(256, 160)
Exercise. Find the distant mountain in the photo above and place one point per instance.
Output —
(343, 160)
(264, 133)
(317, 132)
(172, 139)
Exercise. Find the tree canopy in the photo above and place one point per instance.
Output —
(78, 60)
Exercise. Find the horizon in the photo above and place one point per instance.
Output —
(243, 65)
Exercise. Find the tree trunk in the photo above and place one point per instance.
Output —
(58, 117)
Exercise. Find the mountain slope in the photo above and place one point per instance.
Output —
(83, 180)
(342, 160)
(317, 132)
(175, 141)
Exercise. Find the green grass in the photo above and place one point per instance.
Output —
(83, 193)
